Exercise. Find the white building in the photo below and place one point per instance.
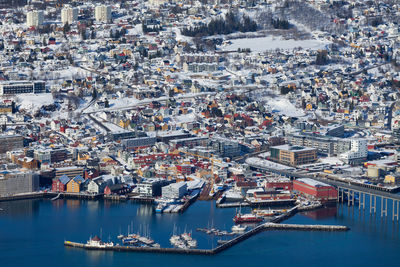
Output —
(69, 14)
(358, 152)
(157, 2)
(102, 13)
(34, 18)
(174, 191)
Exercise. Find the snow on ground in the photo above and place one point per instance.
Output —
(33, 102)
(181, 38)
(331, 160)
(282, 106)
(272, 43)
(255, 161)
(185, 118)
(136, 30)
(114, 128)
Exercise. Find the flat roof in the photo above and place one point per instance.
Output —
(293, 148)
(312, 182)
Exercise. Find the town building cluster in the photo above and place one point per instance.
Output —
(158, 99)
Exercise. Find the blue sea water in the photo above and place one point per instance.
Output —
(32, 233)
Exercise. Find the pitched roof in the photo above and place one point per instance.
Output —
(64, 179)
(79, 178)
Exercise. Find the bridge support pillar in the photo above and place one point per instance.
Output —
(364, 201)
(361, 200)
(342, 193)
(395, 211)
(348, 197)
(372, 203)
(384, 206)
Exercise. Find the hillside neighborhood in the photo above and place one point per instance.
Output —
(238, 101)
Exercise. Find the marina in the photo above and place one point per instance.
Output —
(183, 243)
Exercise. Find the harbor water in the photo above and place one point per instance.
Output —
(32, 233)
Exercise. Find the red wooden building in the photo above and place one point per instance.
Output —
(60, 184)
(314, 189)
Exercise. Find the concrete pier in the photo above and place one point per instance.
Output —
(305, 227)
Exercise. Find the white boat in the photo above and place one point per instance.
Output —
(161, 207)
(238, 228)
(96, 242)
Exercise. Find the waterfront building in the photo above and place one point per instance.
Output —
(314, 189)
(175, 190)
(293, 155)
(10, 143)
(22, 87)
(60, 184)
(74, 185)
(69, 14)
(279, 183)
(151, 187)
(34, 18)
(96, 186)
(16, 182)
(102, 13)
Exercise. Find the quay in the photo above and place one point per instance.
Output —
(265, 203)
(34, 195)
(145, 200)
(278, 226)
(233, 205)
(115, 197)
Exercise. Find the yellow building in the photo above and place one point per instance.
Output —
(74, 185)
(124, 124)
(390, 179)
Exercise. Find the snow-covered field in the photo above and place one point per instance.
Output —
(272, 43)
(33, 102)
(282, 106)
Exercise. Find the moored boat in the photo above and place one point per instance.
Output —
(247, 218)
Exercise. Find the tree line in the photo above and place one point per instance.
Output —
(230, 24)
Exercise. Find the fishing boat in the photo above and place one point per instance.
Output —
(247, 218)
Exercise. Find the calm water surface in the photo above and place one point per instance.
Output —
(32, 233)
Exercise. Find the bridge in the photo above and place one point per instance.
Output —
(349, 190)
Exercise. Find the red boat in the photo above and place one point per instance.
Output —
(247, 218)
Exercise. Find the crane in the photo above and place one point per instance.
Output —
(211, 159)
